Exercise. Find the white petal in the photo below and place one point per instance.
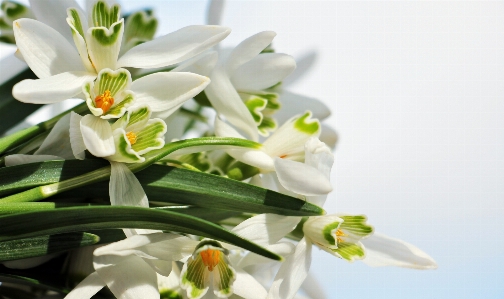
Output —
(104, 44)
(163, 91)
(87, 288)
(51, 89)
(160, 266)
(76, 140)
(292, 273)
(256, 158)
(202, 64)
(174, 47)
(57, 143)
(247, 286)
(263, 71)
(214, 12)
(226, 101)
(301, 178)
(293, 103)
(13, 160)
(97, 135)
(266, 229)
(54, 13)
(382, 250)
(46, 52)
(130, 279)
(252, 259)
(124, 187)
(319, 156)
(248, 49)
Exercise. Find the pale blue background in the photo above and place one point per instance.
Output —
(417, 94)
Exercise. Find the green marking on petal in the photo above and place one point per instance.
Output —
(307, 125)
(124, 152)
(75, 21)
(13, 10)
(105, 36)
(170, 294)
(141, 26)
(119, 109)
(267, 125)
(150, 137)
(105, 16)
(195, 277)
(328, 232)
(255, 105)
(350, 251)
(225, 278)
(113, 81)
(139, 115)
(356, 224)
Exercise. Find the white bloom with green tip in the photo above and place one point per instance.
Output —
(208, 264)
(139, 28)
(136, 134)
(284, 152)
(62, 70)
(339, 235)
(109, 96)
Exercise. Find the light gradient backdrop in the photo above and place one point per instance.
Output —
(416, 91)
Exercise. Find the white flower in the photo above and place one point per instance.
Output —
(129, 268)
(63, 70)
(284, 152)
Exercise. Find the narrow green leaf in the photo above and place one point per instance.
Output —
(13, 140)
(42, 245)
(33, 282)
(162, 184)
(76, 219)
(12, 111)
(204, 143)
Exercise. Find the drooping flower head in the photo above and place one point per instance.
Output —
(208, 265)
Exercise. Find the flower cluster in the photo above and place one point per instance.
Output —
(143, 98)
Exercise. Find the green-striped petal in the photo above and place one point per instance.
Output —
(350, 251)
(103, 15)
(139, 28)
(13, 10)
(124, 152)
(209, 256)
(104, 44)
(77, 23)
(307, 125)
(255, 105)
(150, 137)
(356, 226)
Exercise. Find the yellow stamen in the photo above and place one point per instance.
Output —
(283, 156)
(132, 137)
(340, 234)
(104, 101)
(210, 258)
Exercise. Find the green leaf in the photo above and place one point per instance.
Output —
(33, 282)
(65, 220)
(198, 144)
(162, 184)
(13, 140)
(12, 111)
(42, 245)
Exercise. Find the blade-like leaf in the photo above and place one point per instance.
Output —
(102, 174)
(33, 282)
(161, 184)
(42, 245)
(65, 220)
(12, 111)
(20, 137)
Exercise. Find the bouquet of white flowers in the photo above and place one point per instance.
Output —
(187, 171)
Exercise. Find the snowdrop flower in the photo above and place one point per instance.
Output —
(63, 70)
(134, 134)
(284, 152)
(129, 268)
(240, 81)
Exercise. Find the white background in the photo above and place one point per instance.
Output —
(416, 91)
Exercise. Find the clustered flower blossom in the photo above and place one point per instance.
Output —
(98, 57)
